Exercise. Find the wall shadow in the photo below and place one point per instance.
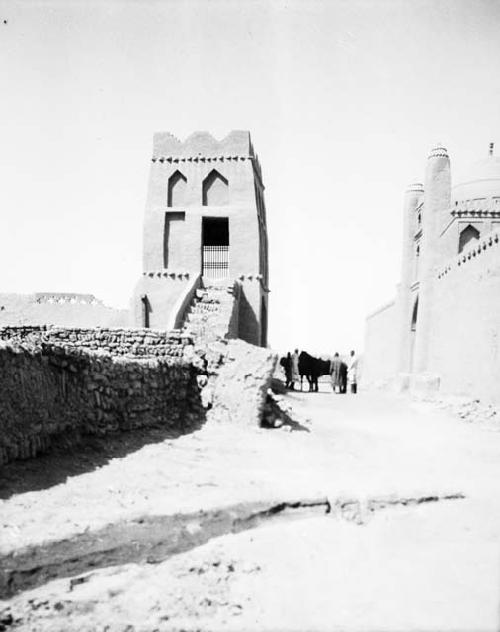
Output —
(64, 458)
(249, 328)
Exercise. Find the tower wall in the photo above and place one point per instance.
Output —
(405, 297)
(436, 205)
(189, 181)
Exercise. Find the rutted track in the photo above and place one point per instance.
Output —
(152, 539)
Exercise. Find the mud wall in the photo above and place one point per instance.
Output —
(381, 347)
(465, 335)
(241, 383)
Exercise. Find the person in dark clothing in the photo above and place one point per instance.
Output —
(343, 377)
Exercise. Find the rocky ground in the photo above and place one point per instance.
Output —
(378, 514)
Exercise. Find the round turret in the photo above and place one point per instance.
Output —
(439, 152)
(415, 187)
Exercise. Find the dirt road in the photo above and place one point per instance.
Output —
(385, 515)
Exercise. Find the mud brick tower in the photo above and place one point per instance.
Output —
(204, 225)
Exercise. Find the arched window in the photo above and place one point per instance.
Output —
(176, 189)
(466, 235)
(215, 190)
(414, 315)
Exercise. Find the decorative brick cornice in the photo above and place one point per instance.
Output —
(167, 274)
(198, 158)
(251, 276)
(254, 276)
(469, 213)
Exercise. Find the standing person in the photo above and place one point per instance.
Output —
(335, 367)
(352, 372)
(343, 377)
(295, 368)
(288, 370)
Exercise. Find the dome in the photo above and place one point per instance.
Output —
(482, 180)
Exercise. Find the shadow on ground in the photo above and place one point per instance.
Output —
(62, 461)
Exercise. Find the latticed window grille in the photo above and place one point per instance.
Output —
(215, 262)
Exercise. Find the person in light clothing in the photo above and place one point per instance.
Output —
(352, 372)
(295, 368)
(336, 373)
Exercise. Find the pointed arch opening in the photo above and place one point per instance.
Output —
(177, 184)
(468, 234)
(414, 315)
(215, 189)
(145, 311)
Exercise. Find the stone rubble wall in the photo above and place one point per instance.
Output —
(61, 384)
(119, 341)
(50, 391)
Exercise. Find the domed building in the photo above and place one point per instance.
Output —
(476, 200)
(442, 331)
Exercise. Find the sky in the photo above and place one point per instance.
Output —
(343, 99)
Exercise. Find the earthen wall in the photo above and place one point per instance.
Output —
(465, 337)
(381, 346)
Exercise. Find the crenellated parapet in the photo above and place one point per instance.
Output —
(236, 143)
(67, 297)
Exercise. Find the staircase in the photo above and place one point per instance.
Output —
(213, 313)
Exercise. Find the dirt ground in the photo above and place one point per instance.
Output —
(382, 514)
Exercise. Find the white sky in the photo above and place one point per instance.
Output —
(343, 99)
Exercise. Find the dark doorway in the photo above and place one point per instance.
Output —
(215, 247)
(263, 323)
(146, 310)
(413, 333)
(215, 231)
(414, 316)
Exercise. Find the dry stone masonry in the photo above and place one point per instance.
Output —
(61, 384)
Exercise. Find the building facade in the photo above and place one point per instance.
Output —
(205, 220)
(442, 331)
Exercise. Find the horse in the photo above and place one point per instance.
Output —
(312, 368)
